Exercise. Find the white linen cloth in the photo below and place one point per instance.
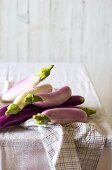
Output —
(22, 149)
(86, 139)
(75, 146)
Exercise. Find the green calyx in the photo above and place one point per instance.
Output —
(44, 72)
(12, 109)
(88, 110)
(31, 98)
(40, 119)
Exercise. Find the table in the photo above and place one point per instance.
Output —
(32, 153)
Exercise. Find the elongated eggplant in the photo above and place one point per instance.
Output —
(26, 84)
(30, 110)
(74, 100)
(23, 115)
(27, 98)
(55, 98)
(60, 115)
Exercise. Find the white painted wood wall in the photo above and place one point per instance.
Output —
(40, 30)
(97, 48)
(61, 31)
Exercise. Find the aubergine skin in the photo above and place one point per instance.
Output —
(55, 98)
(30, 110)
(74, 100)
(65, 115)
(3, 110)
(14, 120)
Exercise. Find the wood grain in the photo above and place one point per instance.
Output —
(61, 31)
(40, 30)
(97, 48)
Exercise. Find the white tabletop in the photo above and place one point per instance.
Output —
(72, 74)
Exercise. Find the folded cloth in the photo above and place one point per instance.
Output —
(75, 146)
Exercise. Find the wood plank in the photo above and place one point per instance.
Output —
(97, 48)
(50, 30)
(9, 45)
(14, 30)
(77, 19)
(60, 30)
(3, 31)
(22, 30)
(39, 31)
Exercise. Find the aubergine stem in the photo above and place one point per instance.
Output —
(41, 119)
(44, 72)
(88, 110)
(26, 84)
(20, 103)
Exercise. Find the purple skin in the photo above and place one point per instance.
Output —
(72, 101)
(65, 115)
(3, 110)
(14, 120)
(29, 111)
(53, 99)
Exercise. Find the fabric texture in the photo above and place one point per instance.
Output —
(75, 146)
(72, 146)
(22, 149)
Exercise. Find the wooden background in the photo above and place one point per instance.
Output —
(61, 31)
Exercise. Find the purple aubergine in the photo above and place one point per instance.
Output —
(55, 98)
(61, 116)
(73, 101)
(14, 120)
(28, 112)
